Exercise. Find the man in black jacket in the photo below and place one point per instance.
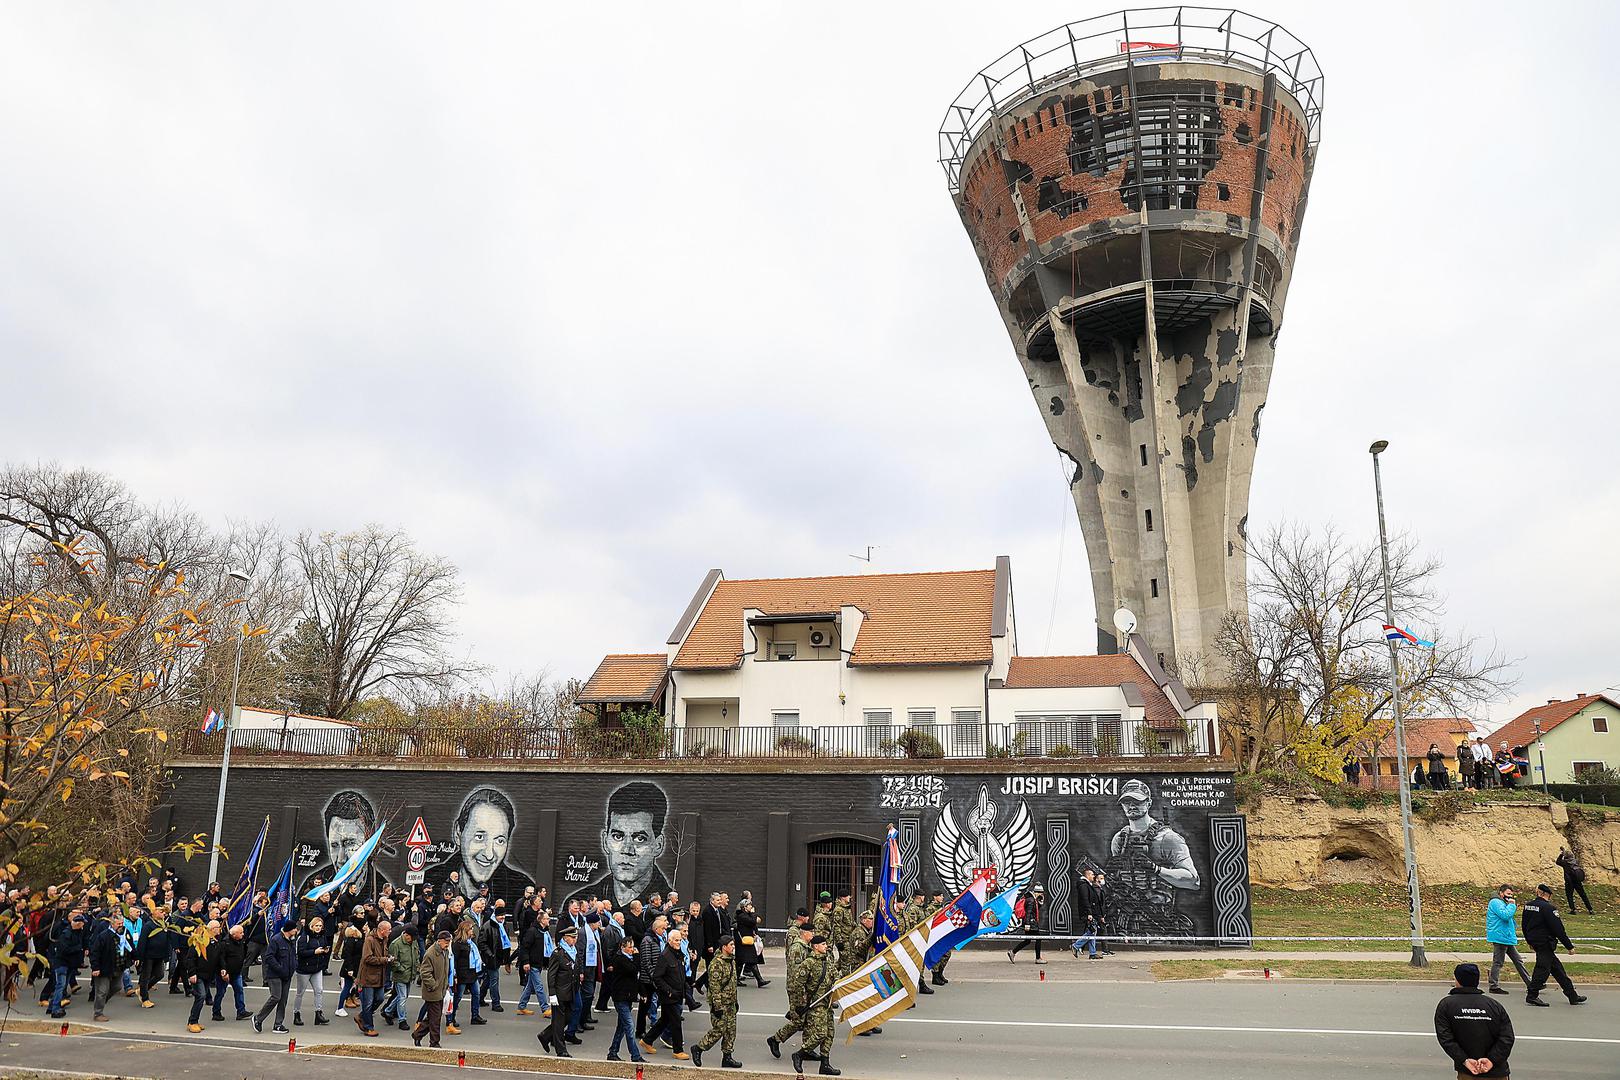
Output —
(280, 964)
(623, 982)
(1574, 880)
(104, 967)
(669, 983)
(229, 960)
(1543, 931)
(1473, 1029)
(562, 979)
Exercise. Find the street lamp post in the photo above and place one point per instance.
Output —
(1541, 752)
(1414, 895)
(225, 762)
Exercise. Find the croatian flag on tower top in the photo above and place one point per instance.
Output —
(958, 922)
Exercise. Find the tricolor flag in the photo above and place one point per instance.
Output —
(886, 925)
(281, 898)
(242, 896)
(1395, 633)
(351, 869)
(998, 915)
(887, 984)
(210, 722)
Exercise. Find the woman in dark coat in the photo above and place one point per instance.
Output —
(1437, 768)
(750, 953)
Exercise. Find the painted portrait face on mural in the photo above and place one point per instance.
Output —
(483, 831)
(632, 844)
(348, 820)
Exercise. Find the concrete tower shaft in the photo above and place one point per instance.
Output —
(1134, 186)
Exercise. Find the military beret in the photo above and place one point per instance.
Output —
(801, 914)
(824, 897)
(725, 939)
(819, 939)
(844, 891)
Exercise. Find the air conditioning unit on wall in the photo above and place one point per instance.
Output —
(818, 639)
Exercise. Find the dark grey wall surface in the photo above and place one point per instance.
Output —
(1185, 873)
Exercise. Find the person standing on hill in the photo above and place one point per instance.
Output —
(1574, 880)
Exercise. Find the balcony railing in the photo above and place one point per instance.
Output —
(1105, 739)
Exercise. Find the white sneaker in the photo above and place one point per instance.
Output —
(342, 1011)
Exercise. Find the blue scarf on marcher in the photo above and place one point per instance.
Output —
(573, 953)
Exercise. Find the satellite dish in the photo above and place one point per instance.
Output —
(1124, 621)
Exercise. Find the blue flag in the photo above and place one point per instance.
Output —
(351, 869)
(242, 896)
(281, 899)
(886, 926)
(997, 917)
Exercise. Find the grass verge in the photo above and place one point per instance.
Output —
(1380, 911)
(1437, 973)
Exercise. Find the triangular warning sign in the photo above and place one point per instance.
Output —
(419, 836)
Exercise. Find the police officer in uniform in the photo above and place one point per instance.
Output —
(722, 971)
(817, 976)
(797, 951)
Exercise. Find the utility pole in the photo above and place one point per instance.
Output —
(1414, 894)
(225, 762)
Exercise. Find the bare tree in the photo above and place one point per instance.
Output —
(377, 612)
(1308, 668)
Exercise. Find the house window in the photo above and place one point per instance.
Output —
(966, 733)
(1154, 582)
(1149, 514)
(879, 725)
(1580, 767)
(920, 717)
(785, 718)
(1600, 725)
(784, 650)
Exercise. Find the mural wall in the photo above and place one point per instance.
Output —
(1172, 844)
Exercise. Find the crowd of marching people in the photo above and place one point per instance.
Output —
(426, 965)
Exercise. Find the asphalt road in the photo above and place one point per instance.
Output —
(993, 1020)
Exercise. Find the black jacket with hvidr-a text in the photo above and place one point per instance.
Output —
(1471, 1026)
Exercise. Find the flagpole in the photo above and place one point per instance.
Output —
(225, 762)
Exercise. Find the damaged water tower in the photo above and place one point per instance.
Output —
(1134, 186)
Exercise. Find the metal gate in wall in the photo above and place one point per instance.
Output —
(842, 862)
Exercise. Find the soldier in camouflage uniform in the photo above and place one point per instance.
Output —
(798, 949)
(823, 921)
(843, 932)
(722, 1005)
(865, 948)
(938, 976)
(818, 978)
(917, 913)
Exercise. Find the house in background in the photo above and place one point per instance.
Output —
(882, 664)
(1576, 735)
(625, 682)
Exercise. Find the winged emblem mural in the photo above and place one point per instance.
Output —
(1008, 851)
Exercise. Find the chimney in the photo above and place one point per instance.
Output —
(1552, 701)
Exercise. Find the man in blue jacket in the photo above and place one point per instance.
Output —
(1503, 934)
(280, 962)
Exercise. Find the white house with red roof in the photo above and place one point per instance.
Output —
(1575, 735)
(850, 664)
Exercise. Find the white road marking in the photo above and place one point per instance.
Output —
(974, 1021)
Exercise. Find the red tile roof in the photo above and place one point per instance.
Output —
(1521, 730)
(627, 678)
(1054, 671)
(928, 618)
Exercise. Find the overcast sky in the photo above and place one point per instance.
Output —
(590, 298)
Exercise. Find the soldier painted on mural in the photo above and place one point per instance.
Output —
(1148, 863)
